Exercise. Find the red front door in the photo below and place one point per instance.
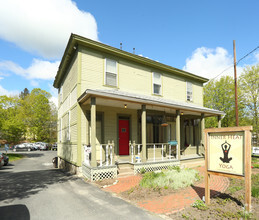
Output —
(123, 136)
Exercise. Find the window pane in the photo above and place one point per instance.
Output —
(111, 79)
(157, 78)
(157, 89)
(111, 66)
(189, 91)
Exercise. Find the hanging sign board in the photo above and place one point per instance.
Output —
(226, 152)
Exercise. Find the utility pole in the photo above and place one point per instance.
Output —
(235, 77)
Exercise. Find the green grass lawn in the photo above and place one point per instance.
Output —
(14, 157)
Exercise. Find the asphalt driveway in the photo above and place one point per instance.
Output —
(32, 189)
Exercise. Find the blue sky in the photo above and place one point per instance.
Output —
(196, 36)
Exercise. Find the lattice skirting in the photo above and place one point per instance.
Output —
(154, 166)
(99, 173)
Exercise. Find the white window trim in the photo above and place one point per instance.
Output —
(114, 73)
(156, 83)
(191, 96)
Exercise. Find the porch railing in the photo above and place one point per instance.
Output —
(104, 154)
(155, 152)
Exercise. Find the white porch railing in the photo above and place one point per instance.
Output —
(104, 154)
(155, 152)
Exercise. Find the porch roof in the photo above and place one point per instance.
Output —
(147, 100)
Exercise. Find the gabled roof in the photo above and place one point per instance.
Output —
(76, 40)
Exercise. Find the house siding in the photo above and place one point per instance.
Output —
(135, 78)
(68, 151)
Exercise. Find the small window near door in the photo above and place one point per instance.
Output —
(189, 91)
(111, 73)
(157, 83)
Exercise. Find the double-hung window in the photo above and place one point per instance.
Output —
(189, 91)
(111, 76)
(157, 83)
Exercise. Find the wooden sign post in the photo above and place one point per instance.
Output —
(228, 153)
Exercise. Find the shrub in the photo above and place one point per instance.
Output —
(173, 178)
(199, 204)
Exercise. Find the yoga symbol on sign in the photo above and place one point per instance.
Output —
(225, 148)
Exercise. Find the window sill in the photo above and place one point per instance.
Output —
(115, 87)
(159, 95)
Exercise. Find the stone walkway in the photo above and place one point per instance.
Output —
(174, 202)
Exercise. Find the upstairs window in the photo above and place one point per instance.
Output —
(111, 73)
(189, 91)
(157, 83)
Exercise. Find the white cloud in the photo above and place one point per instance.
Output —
(209, 62)
(54, 93)
(39, 69)
(44, 26)
(4, 91)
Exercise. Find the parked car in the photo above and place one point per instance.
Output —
(1, 160)
(6, 158)
(44, 146)
(30, 146)
(54, 146)
(21, 147)
(37, 145)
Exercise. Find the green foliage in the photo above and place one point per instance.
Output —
(29, 116)
(142, 170)
(169, 179)
(11, 121)
(199, 204)
(249, 83)
(255, 185)
(220, 95)
(234, 189)
(245, 214)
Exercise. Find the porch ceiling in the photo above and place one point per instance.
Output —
(119, 99)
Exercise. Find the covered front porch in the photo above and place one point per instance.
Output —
(146, 133)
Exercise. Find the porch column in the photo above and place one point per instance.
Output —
(93, 132)
(202, 130)
(219, 121)
(178, 133)
(144, 133)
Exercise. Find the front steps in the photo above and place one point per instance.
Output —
(125, 169)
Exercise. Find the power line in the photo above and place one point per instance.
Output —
(236, 62)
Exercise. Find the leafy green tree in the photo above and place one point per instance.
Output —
(11, 120)
(37, 113)
(24, 93)
(249, 84)
(220, 95)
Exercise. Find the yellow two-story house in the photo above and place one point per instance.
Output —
(119, 109)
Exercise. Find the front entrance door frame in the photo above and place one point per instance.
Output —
(122, 117)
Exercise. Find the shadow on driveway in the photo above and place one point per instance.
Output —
(20, 212)
(24, 184)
